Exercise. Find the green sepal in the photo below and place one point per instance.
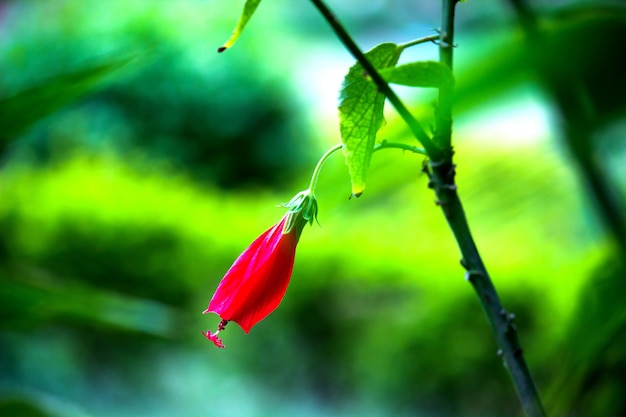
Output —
(302, 210)
(419, 74)
(361, 113)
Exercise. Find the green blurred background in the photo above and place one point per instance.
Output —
(136, 163)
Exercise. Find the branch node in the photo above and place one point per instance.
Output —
(464, 264)
(451, 173)
(468, 276)
(436, 164)
(442, 42)
(473, 273)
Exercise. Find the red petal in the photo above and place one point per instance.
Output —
(257, 281)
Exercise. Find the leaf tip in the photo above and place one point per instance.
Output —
(221, 49)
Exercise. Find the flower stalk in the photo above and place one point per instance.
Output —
(320, 164)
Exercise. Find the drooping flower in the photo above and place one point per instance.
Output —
(255, 284)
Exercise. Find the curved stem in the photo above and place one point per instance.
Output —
(320, 164)
(382, 145)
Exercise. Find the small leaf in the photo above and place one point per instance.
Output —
(18, 112)
(361, 113)
(248, 10)
(419, 74)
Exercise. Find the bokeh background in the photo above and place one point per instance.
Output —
(136, 163)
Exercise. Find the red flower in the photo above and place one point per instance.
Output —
(255, 284)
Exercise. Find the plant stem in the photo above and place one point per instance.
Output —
(382, 145)
(394, 145)
(500, 321)
(320, 164)
(430, 38)
(441, 171)
(415, 126)
(442, 175)
(443, 113)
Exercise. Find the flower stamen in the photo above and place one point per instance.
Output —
(213, 336)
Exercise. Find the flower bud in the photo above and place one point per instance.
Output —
(256, 283)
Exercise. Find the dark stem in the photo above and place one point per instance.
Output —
(441, 171)
(501, 322)
(415, 126)
(442, 176)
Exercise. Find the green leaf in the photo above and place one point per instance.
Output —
(248, 10)
(419, 74)
(361, 113)
(18, 112)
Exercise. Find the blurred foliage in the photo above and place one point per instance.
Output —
(20, 111)
(120, 213)
(156, 238)
(581, 46)
(212, 115)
